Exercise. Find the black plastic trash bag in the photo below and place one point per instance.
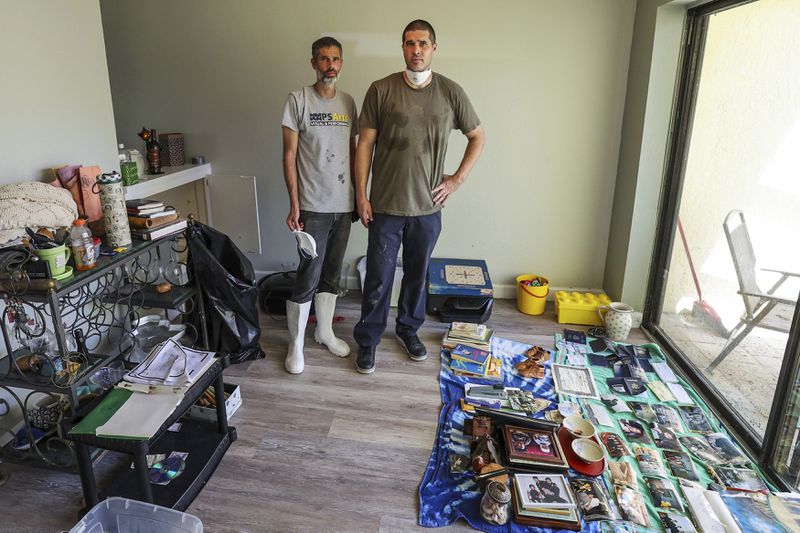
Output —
(230, 293)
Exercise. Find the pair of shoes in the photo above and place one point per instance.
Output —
(416, 350)
(365, 359)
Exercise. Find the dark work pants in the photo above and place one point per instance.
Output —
(322, 274)
(418, 236)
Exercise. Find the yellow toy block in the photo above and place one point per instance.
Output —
(580, 307)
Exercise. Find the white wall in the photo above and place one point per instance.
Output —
(547, 78)
(648, 110)
(55, 100)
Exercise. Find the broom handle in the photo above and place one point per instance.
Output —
(691, 263)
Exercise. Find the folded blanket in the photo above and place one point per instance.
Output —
(33, 204)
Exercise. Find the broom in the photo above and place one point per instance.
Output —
(701, 309)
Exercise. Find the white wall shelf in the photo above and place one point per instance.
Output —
(171, 178)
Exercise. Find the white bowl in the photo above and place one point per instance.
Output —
(587, 450)
(579, 427)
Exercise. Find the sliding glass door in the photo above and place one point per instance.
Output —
(723, 292)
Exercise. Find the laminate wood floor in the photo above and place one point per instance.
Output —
(327, 450)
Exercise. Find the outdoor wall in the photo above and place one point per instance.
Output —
(548, 80)
(55, 100)
(743, 154)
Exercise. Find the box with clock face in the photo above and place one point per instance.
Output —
(459, 290)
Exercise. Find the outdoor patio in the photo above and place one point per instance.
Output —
(747, 376)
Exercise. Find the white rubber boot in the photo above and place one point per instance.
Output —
(297, 318)
(324, 305)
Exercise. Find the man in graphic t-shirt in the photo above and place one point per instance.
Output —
(405, 124)
(319, 130)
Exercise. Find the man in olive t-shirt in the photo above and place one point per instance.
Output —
(404, 127)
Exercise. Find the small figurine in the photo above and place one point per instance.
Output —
(153, 150)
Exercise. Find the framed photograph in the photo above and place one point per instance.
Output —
(634, 431)
(663, 494)
(533, 447)
(696, 420)
(574, 381)
(544, 490)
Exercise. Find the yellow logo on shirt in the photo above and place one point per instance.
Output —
(329, 119)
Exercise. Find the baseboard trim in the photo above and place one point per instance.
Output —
(503, 291)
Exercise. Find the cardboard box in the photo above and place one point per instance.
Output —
(234, 401)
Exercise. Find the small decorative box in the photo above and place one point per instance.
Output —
(172, 150)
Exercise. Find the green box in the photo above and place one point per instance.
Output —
(130, 176)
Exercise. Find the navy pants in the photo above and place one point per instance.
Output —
(418, 236)
(322, 274)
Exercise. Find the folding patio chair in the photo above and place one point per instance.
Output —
(761, 309)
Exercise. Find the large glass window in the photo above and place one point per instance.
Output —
(726, 281)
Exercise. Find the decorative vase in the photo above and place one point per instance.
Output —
(617, 319)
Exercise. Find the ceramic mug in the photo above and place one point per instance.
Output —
(617, 319)
(57, 257)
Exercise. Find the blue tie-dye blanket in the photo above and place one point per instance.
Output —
(442, 498)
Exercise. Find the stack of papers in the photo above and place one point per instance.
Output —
(172, 365)
(473, 335)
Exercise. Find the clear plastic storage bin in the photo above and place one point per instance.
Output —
(131, 516)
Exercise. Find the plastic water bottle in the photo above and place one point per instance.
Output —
(82, 245)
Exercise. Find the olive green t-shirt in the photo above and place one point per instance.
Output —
(413, 127)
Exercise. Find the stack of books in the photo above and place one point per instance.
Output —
(151, 219)
(470, 350)
(477, 336)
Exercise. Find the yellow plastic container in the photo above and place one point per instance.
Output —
(531, 300)
(579, 307)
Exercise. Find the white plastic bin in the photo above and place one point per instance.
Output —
(398, 277)
(130, 516)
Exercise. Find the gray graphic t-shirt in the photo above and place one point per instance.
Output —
(325, 127)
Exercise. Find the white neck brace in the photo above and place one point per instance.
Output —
(418, 78)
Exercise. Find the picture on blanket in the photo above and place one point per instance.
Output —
(667, 416)
(544, 490)
(593, 499)
(675, 523)
(726, 449)
(695, 419)
(741, 479)
(574, 381)
(649, 462)
(614, 444)
(634, 430)
(643, 410)
(615, 404)
(664, 437)
(702, 451)
(681, 465)
(632, 505)
(663, 494)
